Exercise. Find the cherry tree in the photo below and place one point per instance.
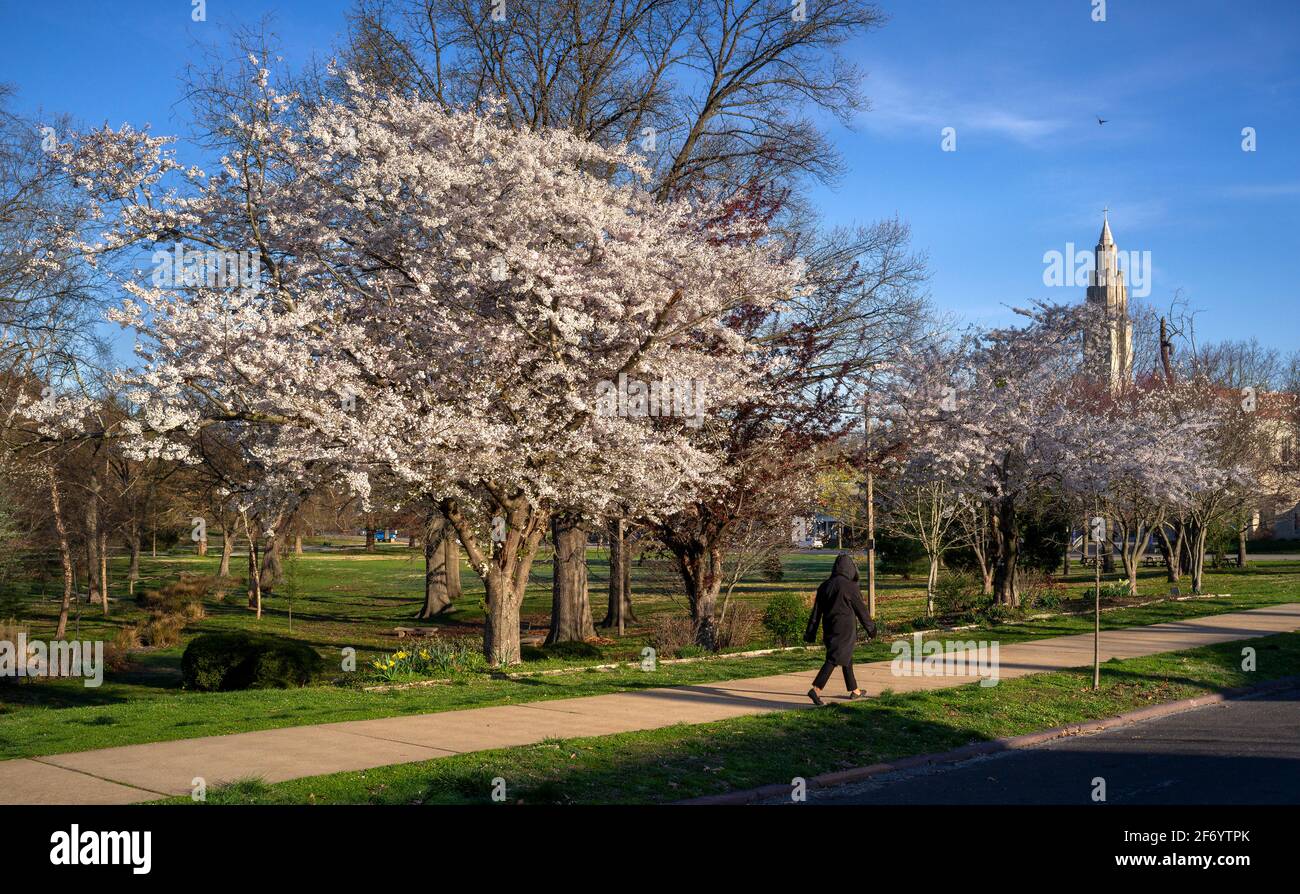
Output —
(982, 410)
(1237, 448)
(440, 299)
(1131, 460)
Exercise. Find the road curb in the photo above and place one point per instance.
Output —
(994, 746)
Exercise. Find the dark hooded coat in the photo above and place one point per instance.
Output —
(838, 609)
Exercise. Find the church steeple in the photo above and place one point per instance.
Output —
(1108, 340)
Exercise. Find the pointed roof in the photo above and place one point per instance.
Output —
(1106, 238)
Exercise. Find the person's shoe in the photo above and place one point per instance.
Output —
(816, 698)
(854, 696)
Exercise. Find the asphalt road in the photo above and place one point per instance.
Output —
(1238, 752)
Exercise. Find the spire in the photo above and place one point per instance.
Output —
(1109, 349)
(1106, 238)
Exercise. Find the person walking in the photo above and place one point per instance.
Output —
(838, 609)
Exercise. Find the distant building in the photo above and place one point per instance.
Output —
(1108, 337)
(816, 531)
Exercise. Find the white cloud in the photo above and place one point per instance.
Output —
(1263, 190)
(897, 107)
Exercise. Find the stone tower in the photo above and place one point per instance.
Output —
(1108, 337)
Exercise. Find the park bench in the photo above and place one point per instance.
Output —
(404, 632)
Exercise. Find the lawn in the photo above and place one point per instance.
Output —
(687, 761)
(344, 597)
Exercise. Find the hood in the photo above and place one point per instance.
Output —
(844, 566)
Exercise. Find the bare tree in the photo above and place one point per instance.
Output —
(926, 509)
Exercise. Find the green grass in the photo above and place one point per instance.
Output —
(686, 761)
(351, 598)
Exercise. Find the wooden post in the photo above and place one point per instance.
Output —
(1096, 621)
(871, 514)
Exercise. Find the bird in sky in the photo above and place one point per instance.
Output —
(1101, 120)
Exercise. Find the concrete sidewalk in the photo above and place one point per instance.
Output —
(146, 772)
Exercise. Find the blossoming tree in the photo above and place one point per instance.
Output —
(439, 300)
(983, 411)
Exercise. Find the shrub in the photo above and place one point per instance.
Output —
(785, 617)
(1042, 591)
(9, 632)
(995, 613)
(117, 655)
(901, 555)
(670, 633)
(1115, 590)
(221, 662)
(572, 650)
(1042, 541)
(737, 627)
(772, 569)
(162, 629)
(957, 593)
(173, 598)
(11, 629)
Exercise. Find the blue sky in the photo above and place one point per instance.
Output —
(1021, 81)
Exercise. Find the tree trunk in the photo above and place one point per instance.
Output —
(92, 539)
(1096, 625)
(1132, 549)
(1172, 551)
(1196, 544)
(65, 553)
(133, 544)
(931, 582)
(501, 628)
(370, 540)
(297, 544)
(570, 606)
(1241, 543)
(1185, 550)
(1130, 571)
(700, 562)
(254, 578)
(103, 569)
(628, 614)
(504, 573)
(271, 569)
(619, 608)
(451, 550)
(1065, 557)
(1007, 541)
(227, 548)
(437, 599)
(505, 596)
